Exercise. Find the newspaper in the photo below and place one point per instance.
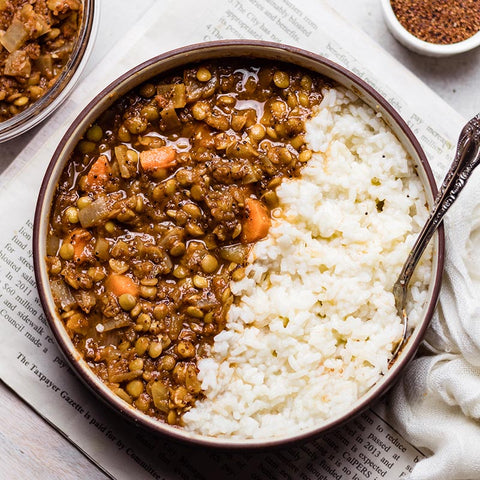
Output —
(31, 364)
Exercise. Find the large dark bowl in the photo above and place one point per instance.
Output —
(160, 65)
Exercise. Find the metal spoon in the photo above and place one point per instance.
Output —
(467, 157)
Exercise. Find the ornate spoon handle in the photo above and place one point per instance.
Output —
(467, 157)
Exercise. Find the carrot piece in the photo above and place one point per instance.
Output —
(120, 284)
(161, 157)
(98, 174)
(80, 238)
(256, 221)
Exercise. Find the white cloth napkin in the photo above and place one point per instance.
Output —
(437, 403)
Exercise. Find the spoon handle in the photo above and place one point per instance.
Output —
(467, 157)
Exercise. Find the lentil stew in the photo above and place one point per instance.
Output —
(37, 40)
(155, 214)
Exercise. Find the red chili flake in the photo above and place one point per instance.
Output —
(439, 21)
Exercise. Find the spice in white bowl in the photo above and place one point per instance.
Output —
(439, 21)
(434, 27)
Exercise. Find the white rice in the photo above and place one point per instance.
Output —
(314, 323)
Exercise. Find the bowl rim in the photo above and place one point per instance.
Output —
(211, 50)
(54, 97)
(420, 46)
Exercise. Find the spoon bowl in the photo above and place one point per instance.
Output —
(467, 157)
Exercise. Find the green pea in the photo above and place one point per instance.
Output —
(167, 363)
(141, 345)
(303, 99)
(203, 74)
(142, 403)
(144, 321)
(257, 132)
(147, 90)
(132, 156)
(155, 349)
(238, 274)
(200, 282)
(124, 134)
(148, 292)
(136, 125)
(134, 388)
(94, 133)
(180, 272)
(160, 311)
(20, 102)
(185, 349)
(178, 249)
(71, 214)
(278, 109)
(192, 210)
(67, 251)
(306, 82)
(109, 227)
(305, 156)
(136, 364)
(194, 312)
(197, 192)
(83, 202)
(194, 229)
(86, 146)
(170, 186)
(281, 79)
(127, 301)
(150, 113)
(200, 110)
(209, 263)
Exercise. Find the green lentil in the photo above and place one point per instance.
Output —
(127, 301)
(209, 263)
(155, 349)
(94, 133)
(71, 214)
(67, 251)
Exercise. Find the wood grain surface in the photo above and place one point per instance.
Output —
(30, 446)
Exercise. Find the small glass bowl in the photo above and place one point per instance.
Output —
(49, 102)
(416, 45)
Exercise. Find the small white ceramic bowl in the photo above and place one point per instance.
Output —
(419, 46)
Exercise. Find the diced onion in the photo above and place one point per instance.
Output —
(15, 36)
(53, 243)
(124, 377)
(234, 253)
(122, 159)
(99, 210)
(160, 395)
(18, 64)
(62, 294)
(119, 321)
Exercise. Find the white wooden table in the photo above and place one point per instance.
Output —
(29, 446)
